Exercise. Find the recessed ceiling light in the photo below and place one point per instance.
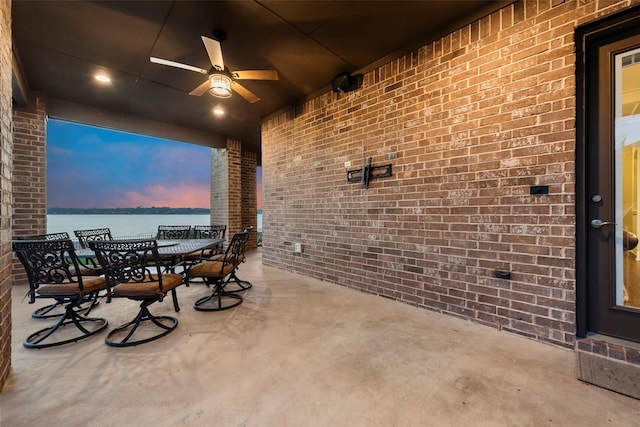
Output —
(218, 111)
(102, 78)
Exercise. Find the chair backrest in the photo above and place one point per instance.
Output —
(247, 230)
(209, 231)
(48, 262)
(94, 234)
(173, 232)
(235, 251)
(126, 261)
(49, 236)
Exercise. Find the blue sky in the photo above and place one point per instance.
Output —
(91, 167)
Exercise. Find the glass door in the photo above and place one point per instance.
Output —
(612, 187)
(627, 168)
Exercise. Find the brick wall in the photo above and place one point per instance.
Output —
(6, 171)
(469, 122)
(29, 176)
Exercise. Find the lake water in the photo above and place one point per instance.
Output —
(121, 225)
(124, 225)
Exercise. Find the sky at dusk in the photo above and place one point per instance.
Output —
(259, 186)
(89, 167)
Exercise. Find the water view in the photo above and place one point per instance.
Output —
(125, 225)
(121, 225)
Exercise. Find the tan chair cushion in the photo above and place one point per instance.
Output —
(90, 284)
(211, 269)
(147, 289)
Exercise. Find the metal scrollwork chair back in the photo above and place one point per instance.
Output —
(94, 234)
(209, 231)
(173, 232)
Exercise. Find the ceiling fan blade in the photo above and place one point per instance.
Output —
(203, 88)
(244, 92)
(214, 50)
(178, 65)
(256, 75)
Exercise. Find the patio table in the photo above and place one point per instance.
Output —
(171, 251)
(169, 247)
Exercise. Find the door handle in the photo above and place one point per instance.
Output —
(598, 223)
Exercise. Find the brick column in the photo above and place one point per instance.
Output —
(249, 197)
(29, 176)
(26, 202)
(219, 187)
(233, 189)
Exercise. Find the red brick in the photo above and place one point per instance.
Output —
(474, 118)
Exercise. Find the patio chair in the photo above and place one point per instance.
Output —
(132, 271)
(51, 267)
(211, 232)
(205, 232)
(239, 284)
(48, 236)
(85, 236)
(93, 234)
(173, 232)
(50, 311)
(216, 274)
(234, 280)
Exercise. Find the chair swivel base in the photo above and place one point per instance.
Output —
(87, 326)
(165, 324)
(242, 285)
(218, 300)
(50, 311)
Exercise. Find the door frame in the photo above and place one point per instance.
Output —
(587, 39)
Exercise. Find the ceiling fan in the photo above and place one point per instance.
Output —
(220, 81)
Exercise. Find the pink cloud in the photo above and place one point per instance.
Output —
(182, 195)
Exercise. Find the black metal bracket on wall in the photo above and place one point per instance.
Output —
(367, 173)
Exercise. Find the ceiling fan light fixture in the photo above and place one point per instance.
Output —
(220, 85)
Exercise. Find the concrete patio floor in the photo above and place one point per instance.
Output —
(301, 352)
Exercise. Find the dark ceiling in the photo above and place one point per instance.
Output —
(61, 45)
